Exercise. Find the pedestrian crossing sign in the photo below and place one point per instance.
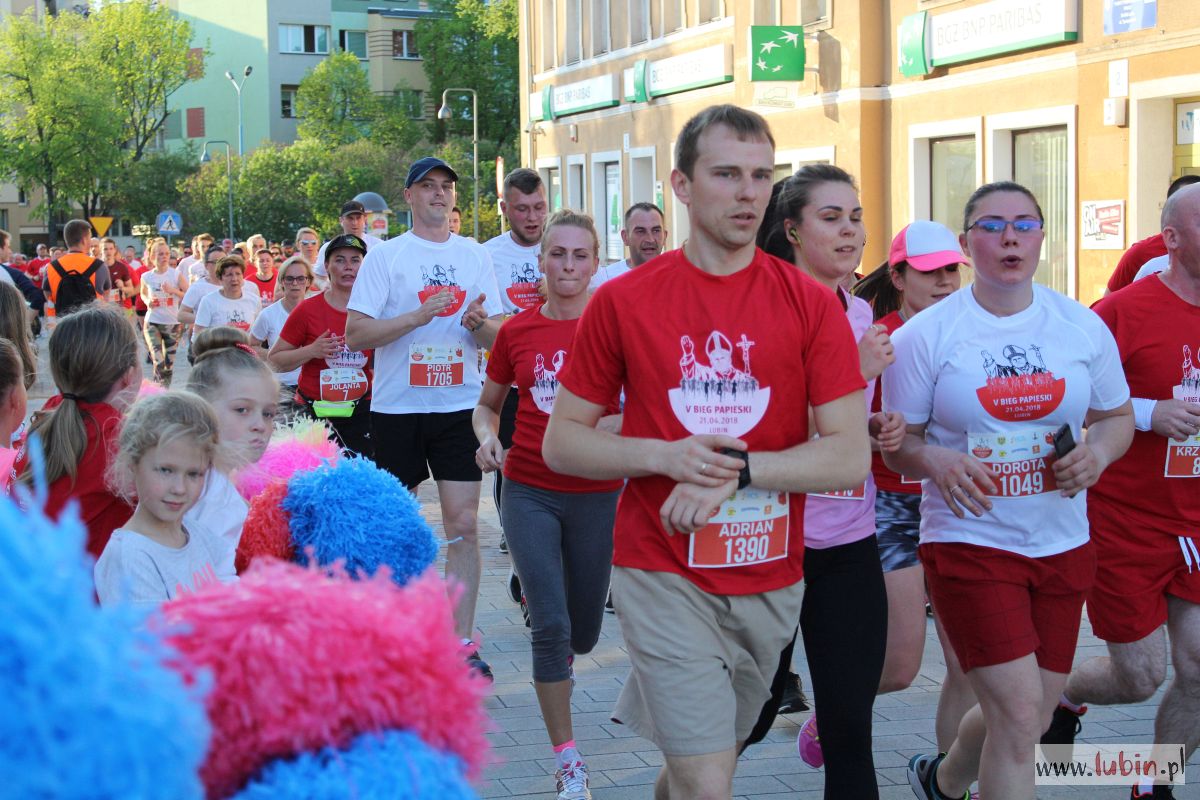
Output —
(169, 223)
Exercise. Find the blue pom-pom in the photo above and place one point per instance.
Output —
(394, 765)
(88, 707)
(356, 512)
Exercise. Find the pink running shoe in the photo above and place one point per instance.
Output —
(809, 744)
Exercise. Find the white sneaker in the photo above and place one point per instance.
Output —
(573, 782)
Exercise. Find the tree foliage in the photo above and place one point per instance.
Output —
(150, 184)
(336, 106)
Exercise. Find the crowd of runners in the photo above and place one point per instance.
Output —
(743, 440)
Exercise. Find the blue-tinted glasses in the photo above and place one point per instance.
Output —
(995, 225)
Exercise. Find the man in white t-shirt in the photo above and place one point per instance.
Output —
(354, 222)
(644, 234)
(193, 265)
(409, 303)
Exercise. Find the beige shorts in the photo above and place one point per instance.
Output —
(702, 664)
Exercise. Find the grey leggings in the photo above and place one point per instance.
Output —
(561, 546)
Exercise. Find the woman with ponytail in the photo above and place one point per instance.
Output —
(93, 361)
(12, 406)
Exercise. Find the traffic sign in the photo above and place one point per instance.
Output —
(169, 223)
(101, 224)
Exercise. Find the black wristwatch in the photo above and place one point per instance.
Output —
(744, 475)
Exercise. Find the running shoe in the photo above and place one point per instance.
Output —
(1064, 726)
(525, 612)
(793, 701)
(922, 777)
(1160, 792)
(503, 543)
(809, 744)
(573, 782)
(477, 664)
(514, 585)
(608, 606)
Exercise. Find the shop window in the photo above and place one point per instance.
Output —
(404, 44)
(310, 39)
(952, 172)
(354, 42)
(287, 101)
(1040, 163)
(639, 21)
(552, 178)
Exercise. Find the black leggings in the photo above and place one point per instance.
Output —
(844, 625)
(508, 426)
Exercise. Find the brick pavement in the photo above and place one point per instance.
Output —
(623, 766)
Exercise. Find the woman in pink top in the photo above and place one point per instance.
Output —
(817, 225)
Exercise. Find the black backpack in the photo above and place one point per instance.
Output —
(75, 289)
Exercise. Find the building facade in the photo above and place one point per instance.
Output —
(1090, 103)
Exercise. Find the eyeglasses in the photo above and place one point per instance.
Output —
(307, 242)
(994, 225)
(295, 279)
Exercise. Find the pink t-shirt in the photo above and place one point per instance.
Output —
(840, 518)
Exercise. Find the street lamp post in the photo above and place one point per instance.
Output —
(205, 158)
(444, 114)
(238, 88)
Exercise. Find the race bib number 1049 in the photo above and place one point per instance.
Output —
(1023, 460)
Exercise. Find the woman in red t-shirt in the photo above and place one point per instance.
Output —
(93, 358)
(335, 382)
(560, 528)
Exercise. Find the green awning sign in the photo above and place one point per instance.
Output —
(913, 45)
(776, 53)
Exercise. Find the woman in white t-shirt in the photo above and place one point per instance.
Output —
(229, 305)
(987, 380)
(161, 289)
(294, 279)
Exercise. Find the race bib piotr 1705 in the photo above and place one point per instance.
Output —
(435, 365)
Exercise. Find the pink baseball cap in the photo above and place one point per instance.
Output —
(926, 246)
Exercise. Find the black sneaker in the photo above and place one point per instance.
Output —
(608, 606)
(525, 612)
(1064, 726)
(794, 700)
(479, 665)
(503, 543)
(1160, 792)
(514, 586)
(922, 777)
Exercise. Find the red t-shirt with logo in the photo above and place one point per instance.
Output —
(266, 287)
(885, 479)
(530, 350)
(100, 509)
(120, 271)
(34, 267)
(1156, 484)
(741, 354)
(304, 325)
(1137, 255)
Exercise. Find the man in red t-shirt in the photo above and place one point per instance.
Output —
(720, 348)
(1150, 247)
(121, 273)
(264, 276)
(36, 265)
(1145, 510)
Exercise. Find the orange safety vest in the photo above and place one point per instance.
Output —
(70, 262)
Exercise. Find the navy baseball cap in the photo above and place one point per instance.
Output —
(353, 207)
(345, 240)
(424, 166)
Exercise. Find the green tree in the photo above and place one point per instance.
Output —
(152, 183)
(334, 101)
(203, 199)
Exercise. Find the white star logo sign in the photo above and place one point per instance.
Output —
(791, 38)
(760, 64)
(768, 47)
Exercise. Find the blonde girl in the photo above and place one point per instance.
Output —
(168, 444)
(162, 288)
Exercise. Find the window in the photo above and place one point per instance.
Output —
(404, 44)
(600, 33)
(766, 12)
(814, 12)
(195, 123)
(574, 27)
(4, 219)
(951, 178)
(709, 10)
(22, 198)
(312, 39)
(1040, 163)
(674, 16)
(287, 101)
(639, 21)
(412, 101)
(548, 33)
(195, 63)
(173, 127)
(354, 42)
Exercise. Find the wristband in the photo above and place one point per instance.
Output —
(1143, 412)
(744, 475)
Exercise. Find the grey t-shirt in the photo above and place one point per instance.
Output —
(138, 570)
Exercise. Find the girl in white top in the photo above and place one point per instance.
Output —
(229, 305)
(294, 279)
(162, 288)
(168, 442)
(245, 396)
(985, 380)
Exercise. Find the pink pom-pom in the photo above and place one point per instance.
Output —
(266, 530)
(301, 659)
(149, 388)
(303, 447)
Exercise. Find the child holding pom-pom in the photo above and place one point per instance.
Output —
(245, 396)
(167, 445)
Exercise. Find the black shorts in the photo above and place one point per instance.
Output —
(411, 446)
(508, 418)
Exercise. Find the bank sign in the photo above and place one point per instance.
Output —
(988, 29)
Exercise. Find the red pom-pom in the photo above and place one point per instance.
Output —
(301, 659)
(266, 531)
